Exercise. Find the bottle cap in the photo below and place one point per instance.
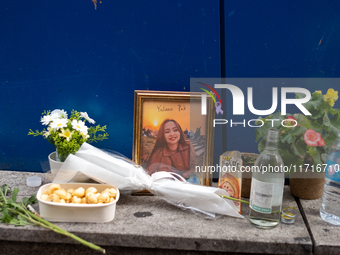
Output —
(33, 181)
(287, 216)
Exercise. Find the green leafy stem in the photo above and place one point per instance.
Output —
(16, 213)
(234, 199)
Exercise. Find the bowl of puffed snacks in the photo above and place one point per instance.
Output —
(77, 202)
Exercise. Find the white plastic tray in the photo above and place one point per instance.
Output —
(62, 212)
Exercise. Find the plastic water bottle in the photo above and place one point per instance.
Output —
(330, 207)
(267, 185)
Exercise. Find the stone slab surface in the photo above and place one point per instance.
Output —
(148, 222)
(326, 236)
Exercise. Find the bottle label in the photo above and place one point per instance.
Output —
(333, 170)
(261, 196)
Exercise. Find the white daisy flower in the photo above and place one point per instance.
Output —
(84, 133)
(80, 126)
(59, 123)
(66, 133)
(58, 114)
(46, 119)
(86, 116)
(55, 116)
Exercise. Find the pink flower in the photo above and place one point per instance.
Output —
(312, 138)
(291, 121)
(321, 142)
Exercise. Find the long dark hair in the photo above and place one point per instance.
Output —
(160, 140)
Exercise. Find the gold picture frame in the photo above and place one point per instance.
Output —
(153, 107)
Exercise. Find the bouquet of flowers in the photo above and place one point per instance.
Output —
(67, 135)
(305, 139)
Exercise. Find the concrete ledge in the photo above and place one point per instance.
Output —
(70, 249)
(167, 229)
(326, 236)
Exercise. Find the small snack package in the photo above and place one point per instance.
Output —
(230, 175)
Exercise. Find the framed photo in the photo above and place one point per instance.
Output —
(170, 134)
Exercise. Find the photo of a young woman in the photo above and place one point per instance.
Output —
(172, 135)
(172, 152)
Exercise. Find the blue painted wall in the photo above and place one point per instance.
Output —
(69, 55)
(273, 39)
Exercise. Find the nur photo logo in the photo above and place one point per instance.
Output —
(239, 105)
